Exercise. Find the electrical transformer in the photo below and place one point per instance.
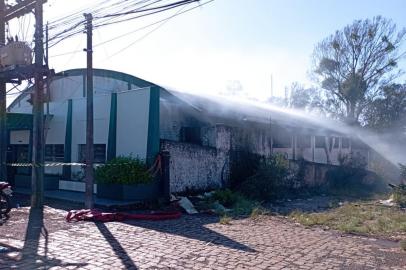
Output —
(16, 53)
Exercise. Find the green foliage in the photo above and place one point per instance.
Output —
(225, 220)
(351, 177)
(403, 171)
(243, 164)
(403, 245)
(271, 178)
(399, 191)
(236, 203)
(360, 217)
(226, 197)
(389, 110)
(258, 212)
(350, 86)
(123, 170)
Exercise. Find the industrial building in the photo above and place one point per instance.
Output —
(139, 118)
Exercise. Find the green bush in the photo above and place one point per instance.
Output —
(271, 179)
(226, 197)
(350, 177)
(399, 195)
(243, 164)
(399, 192)
(403, 172)
(123, 170)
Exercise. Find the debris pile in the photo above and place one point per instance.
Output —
(398, 197)
(202, 203)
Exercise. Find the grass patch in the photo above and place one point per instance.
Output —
(225, 220)
(229, 204)
(258, 212)
(403, 245)
(364, 218)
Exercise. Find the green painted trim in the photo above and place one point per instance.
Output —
(153, 125)
(84, 85)
(67, 158)
(19, 121)
(107, 74)
(30, 143)
(112, 139)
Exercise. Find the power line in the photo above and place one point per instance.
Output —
(162, 22)
(71, 30)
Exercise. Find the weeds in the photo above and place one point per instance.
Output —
(258, 212)
(225, 220)
(399, 195)
(226, 197)
(357, 218)
(272, 177)
(403, 245)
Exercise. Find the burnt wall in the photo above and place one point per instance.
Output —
(194, 167)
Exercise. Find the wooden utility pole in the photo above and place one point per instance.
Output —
(3, 101)
(89, 114)
(37, 180)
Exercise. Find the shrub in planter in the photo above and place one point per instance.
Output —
(123, 170)
(125, 178)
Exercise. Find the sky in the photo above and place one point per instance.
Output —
(209, 48)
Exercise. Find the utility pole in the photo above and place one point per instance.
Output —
(3, 101)
(89, 114)
(37, 180)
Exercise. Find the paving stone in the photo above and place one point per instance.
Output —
(200, 242)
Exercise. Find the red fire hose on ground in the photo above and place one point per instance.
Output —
(97, 215)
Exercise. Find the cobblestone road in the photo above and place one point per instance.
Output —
(197, 242)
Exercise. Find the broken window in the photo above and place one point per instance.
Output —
(345, 143)
(336, 142)
(191, 135)
(320, 142)
(282, 138)
(303, 141)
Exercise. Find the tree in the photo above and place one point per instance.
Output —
(355, 63)
(303, 98)
(299, 97)
(388, 112)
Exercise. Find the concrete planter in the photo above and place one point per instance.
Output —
(75, 186)
(51, 182)
(138, 192)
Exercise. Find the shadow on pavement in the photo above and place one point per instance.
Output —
(116, 246)
(193, 227)
(30, 255)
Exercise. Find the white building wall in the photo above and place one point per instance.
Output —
(132, 116)
(132, 126)
(56, 129)
(66, 88)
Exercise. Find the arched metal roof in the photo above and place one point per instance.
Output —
(97, 73)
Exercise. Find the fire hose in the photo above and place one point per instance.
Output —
(97, 215)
